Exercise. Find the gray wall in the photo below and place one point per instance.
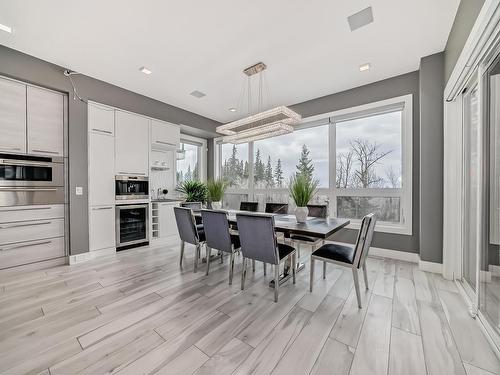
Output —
(389, 88)
(467, 13)
(27, 68)
(431, 157)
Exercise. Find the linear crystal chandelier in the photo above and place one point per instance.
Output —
(263, 124)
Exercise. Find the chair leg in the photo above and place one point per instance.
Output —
(294, 267)
(243, 273)
(311, 275)
(231, 268)
(183, 244)
(196, 256)
(221, 257)
(324, 270)
(366, 276)
(298, 250)
(209, 251)
(356, 285)
(265, 269)
(276, 282)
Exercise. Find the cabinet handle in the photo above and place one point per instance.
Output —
(22, 163)
(166, 143)
(46, 152)
(102, 208)
(11, 148)
(26, 209)
(24, 225)
(102, 131)
(131, 173)
(26, 189)
(24, 245)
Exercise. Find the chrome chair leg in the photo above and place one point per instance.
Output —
(253, 265)
(183, 244)
(243, 273)
(209, 251)
(276, 282)
(356, 285)
(311, 276)
(265, 269)
(366, 276)
(324, 270)
(294, 268)
(221, 257)
(196, 256)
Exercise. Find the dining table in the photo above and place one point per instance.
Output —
(316, 227)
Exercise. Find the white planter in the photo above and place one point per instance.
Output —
(216, 205)
(301, 214)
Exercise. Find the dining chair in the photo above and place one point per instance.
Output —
(249, 206)
(188, 232)
(315, 210)
(218, 237)
(353, 257)
(263, 247)
(195, 206)
(277, 208)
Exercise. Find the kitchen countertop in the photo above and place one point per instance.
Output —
(165, 200)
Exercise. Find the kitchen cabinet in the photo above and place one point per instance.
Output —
(131, 144)
(102, 169)
(102, 227)
(164, 136)
(12, 116)
(101, 119)
(166, 219)
(45, 121)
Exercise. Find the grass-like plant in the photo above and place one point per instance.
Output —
(216, 189)
(194, 191)
(302, 189)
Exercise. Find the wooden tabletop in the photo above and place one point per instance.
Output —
(314, 226)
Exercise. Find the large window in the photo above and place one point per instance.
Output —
(191, 161)
(361, 157)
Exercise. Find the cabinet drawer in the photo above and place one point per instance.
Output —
(25, 213)
(31, 251)
(31, 230)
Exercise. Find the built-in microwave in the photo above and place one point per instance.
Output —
(131, 187)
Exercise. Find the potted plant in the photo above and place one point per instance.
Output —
(302, 189)
(194, 191)
(216, 190)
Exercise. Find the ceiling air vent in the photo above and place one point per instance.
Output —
(197, 94)
(360, 19)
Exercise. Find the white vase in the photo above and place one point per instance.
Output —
(216, 205)
(301, 214)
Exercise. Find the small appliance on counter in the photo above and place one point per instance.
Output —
(131, 187)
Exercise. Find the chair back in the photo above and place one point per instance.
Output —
(196, 206)
(257, 237)
(364, 239)
(186, 225)
(277, 208)
(216, 228)
(318, 210)
(249, 206)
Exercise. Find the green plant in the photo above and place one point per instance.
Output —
(216, 189)
(194, 191)
(302, 189)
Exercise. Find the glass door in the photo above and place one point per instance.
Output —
(472, 186)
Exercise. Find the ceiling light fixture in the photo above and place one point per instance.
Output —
(364, 67)
(232, 109)
(260, 125)
(5, 28)
(145, 70)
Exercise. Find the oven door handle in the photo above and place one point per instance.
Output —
(21, 189)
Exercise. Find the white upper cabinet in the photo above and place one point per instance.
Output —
(164, 135)
(102, 169)
(45, 111)
(132, 144)
(12, 116)
(101, 119)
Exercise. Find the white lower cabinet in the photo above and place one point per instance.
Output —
(166, 219)
(31, 251)
(102, 227)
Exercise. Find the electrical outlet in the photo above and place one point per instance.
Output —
(78, 190)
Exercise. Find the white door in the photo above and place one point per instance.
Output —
(102, 227)
(101, 169)
(101, 119)
(45, 120)
(12, 116)
(132, 144)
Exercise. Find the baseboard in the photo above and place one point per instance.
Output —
(485, 276)
(84, 257)
(394, 254)
(430, 267)
(495, 270)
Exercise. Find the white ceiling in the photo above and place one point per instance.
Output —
(204, 45)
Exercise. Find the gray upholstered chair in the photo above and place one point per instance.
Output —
(353, 257)
(188, 232)
(195, 206)
(249, 206)
(258, 242)
(218, 237)
(277, 208)
(315, 210)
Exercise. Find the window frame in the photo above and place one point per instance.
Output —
(405, 193)
(202, 154)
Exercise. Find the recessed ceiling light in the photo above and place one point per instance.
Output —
(364, 67)
(5, 28)
(145, 70)
(360, 19)
(197, 94)
(232, 109)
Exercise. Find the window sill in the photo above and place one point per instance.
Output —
(384, 228)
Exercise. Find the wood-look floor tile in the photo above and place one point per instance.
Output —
(406, 354)
(335, 359)
(186, 363)
(405, 312)
(227, 359)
